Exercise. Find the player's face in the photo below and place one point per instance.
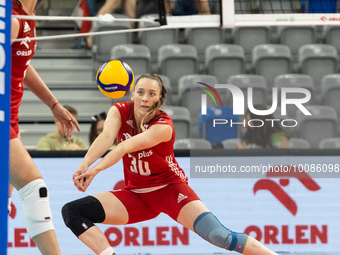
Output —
(146, 94)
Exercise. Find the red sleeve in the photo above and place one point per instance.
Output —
(162, 118)
(123, 108)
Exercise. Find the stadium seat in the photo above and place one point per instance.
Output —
(135, 55)
(318, 60)
(224, 60)
(330, 91)
(271, 60)
(295, 81)
(102, 44)
(296, 36)
(256, 82)
(330, 143)
(299, 143)
(202, 37)
(181, 118)
(155, 39)
(331, 36)
(249, 37)
(176, 60)
(190, 97)
(196, 144)
(231, 143)
(320, 125)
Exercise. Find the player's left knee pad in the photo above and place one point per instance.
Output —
(79, 215)
(208, 227)
(36, 207)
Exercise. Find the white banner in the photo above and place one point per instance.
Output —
(293, 215)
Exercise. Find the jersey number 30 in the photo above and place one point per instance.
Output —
(141, 168)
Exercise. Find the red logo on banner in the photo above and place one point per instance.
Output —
(278, 192)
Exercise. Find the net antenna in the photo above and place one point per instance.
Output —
(162, 13)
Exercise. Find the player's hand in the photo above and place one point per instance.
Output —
(67, 121)
(84, 180)
(81, 170)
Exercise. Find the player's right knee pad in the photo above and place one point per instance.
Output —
(36, 207)
(79, 215)
(208, 227)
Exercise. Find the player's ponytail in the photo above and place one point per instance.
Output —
(162, 98)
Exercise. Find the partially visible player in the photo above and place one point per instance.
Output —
(24, 175)
(154, 182)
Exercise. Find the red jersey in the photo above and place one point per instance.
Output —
(22, 53)
(150, 167)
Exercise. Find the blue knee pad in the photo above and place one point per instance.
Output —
(209, 228)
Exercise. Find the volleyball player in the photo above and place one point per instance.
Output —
(24, 175)
(154, 182)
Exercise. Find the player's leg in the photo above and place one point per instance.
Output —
(107, 208)
(80, 216)
(25, 177)
(196, 217)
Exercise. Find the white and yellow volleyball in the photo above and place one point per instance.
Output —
(115, 78)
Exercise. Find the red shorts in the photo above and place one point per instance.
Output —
(145, 206)
(14, 131)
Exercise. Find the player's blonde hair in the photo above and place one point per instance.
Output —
(163, 93)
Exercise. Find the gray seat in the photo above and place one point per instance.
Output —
(224, 60)
(203, 37)
(330, 143)
(318, 60)
(297, 81)
(331, 35)
(320, 125)
(86, 101)
(196, 144)
(102, 44)
(231, 143)
(176, 60)
(155, 39)
(190, 97)
(135, 55)
(249, 37)
(330, 91)
(256, 82)
(181, 118)
(271, 60)
(296, 36)
(299, 143)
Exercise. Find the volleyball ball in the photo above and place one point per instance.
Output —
(115, 78)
